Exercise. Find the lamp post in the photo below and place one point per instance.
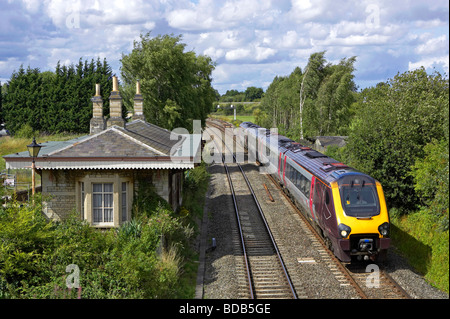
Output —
(33, 150)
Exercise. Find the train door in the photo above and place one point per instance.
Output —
(311, 197)
(318, 201)
(280, 166)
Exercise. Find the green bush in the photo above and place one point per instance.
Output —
(194, 189)
(26, 131)
(141, 259)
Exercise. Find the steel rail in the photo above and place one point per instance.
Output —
(283, 266)
(236, 209)
(261, 214)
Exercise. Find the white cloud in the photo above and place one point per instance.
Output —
(251, 40)
(433, 45)
(237, 54)
(429, 63)
(214, 53)
(264, 53)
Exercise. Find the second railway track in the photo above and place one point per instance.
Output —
(265, 271)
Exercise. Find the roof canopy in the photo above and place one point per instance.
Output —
(138, 145)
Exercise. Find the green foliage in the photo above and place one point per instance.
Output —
(176, 85)
(393, 123)
(424, 244)
(197, 177)
(26, 131)
(24, 233)
(328, 91)
(253, 93)
(194, 189)
(55, 101)
(141, 259)
(147, 200)
(431, 178)
(233, 96)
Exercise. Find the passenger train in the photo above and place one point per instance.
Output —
(345, 206)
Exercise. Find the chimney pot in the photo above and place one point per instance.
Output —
(138, 87)
(138, 104)
(115, 106)
(115, 84)
(97, 123)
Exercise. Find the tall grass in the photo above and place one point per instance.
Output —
(11, 145)
(425, 246)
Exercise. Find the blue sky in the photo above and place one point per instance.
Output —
(251, 41)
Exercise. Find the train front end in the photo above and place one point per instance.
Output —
(362, 217)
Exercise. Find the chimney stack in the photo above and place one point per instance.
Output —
(115, 106)
(98, 122)
(138, 104)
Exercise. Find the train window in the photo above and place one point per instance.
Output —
(360, 201)
(307, 188)
(327, 198)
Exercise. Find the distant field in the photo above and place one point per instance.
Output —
(243, 118)
(10, 145)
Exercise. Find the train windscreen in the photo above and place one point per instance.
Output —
(359, 196)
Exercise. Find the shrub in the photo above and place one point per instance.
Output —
(26, 131)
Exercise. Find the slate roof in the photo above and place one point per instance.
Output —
(152, 135)
(139, 144)
(109, 143)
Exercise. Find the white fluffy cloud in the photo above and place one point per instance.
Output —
(251, 41)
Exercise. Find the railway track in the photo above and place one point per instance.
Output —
(264, 269)
(368, 280)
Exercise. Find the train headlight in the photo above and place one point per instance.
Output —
(384, 229)
(344, 230)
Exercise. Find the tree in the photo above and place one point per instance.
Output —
(334, 97)
(252, 93)
(175, 84)
(431, 181)
(393, 123)
(314, 102)
(56, 101)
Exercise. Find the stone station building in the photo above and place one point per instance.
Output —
(98, 174)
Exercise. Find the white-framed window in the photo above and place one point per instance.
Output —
(105, 201)
(102, 202)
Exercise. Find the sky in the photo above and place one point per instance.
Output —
(250, 41)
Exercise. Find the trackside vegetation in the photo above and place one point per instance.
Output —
(398, 132)
(148, 257)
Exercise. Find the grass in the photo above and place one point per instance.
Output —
(424, 245)
(11, 145)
